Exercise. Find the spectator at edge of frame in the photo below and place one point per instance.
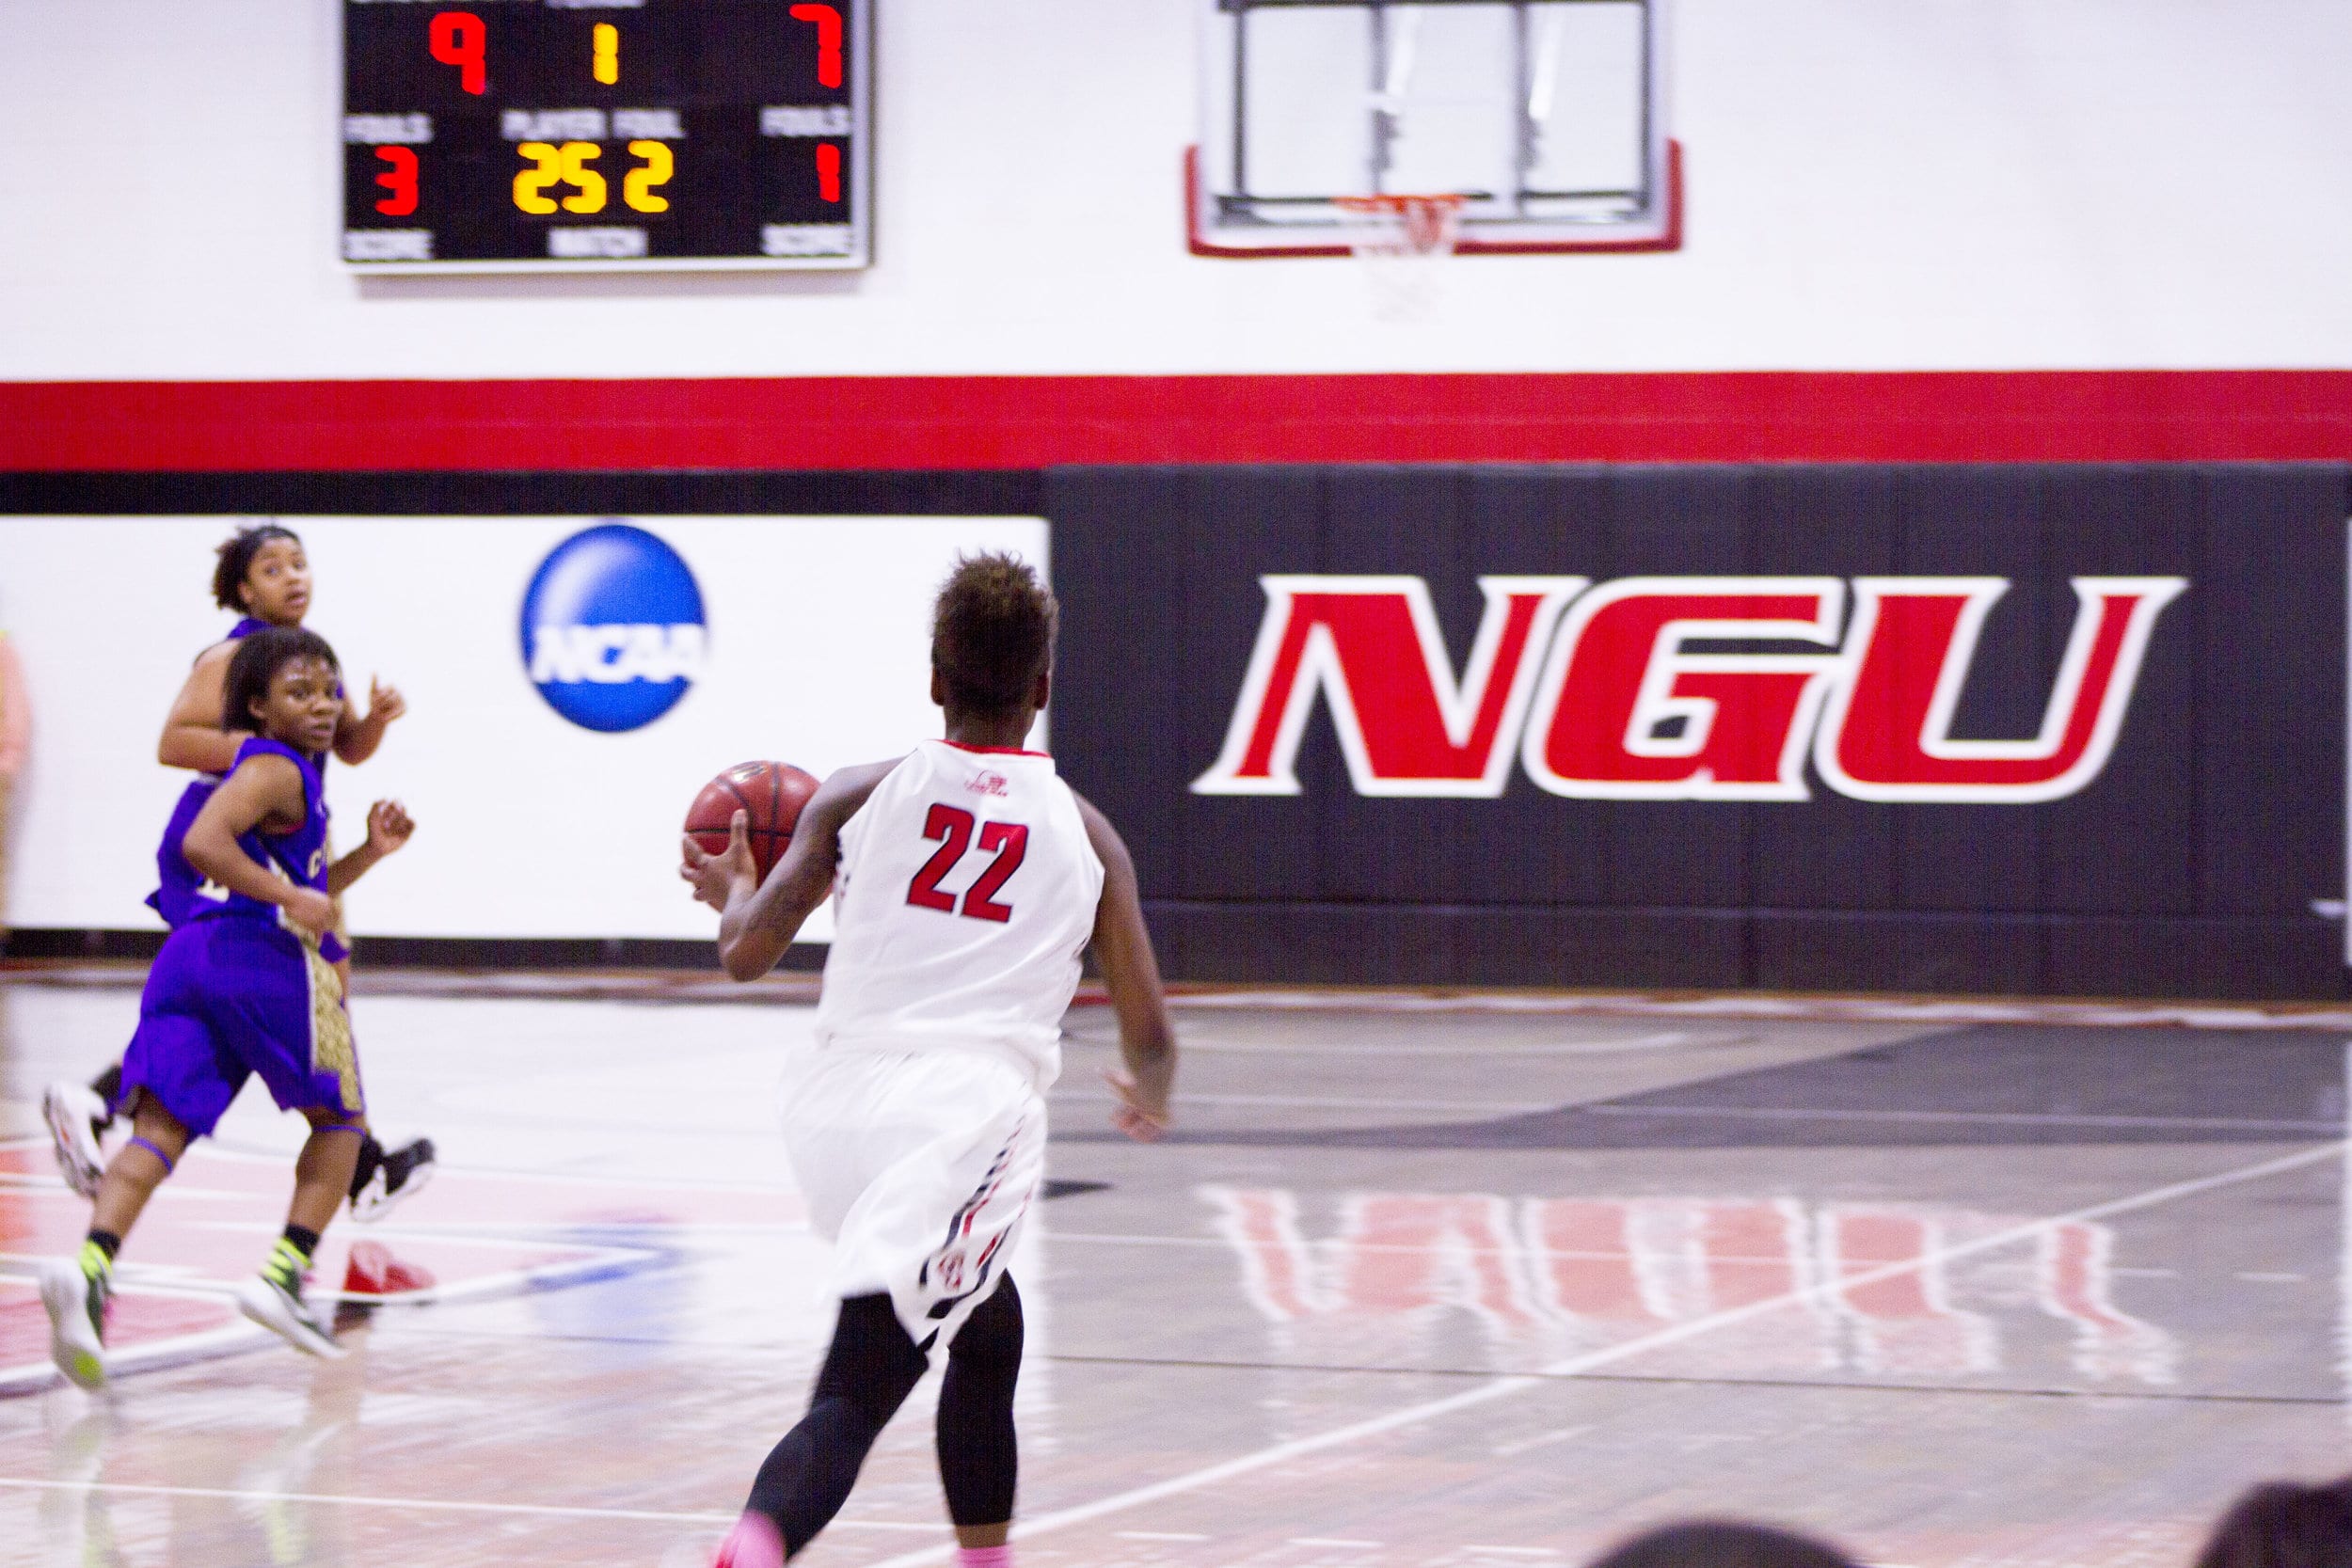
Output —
(16, 729)
(1722, 1544)
(2284, 1523)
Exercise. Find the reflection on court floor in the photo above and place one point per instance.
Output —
(1418, 1287)
(1567, 1275)
(468, 1235)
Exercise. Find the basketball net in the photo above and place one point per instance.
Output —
(1402, 239)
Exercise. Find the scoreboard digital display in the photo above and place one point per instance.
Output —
(594, 134)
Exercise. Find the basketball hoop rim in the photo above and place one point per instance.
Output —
(1199, 240)
(1405, 227)
(1399, 203)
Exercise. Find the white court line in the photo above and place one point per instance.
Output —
(1995, 1119)
(800, 992)
(33, 1183)
(553, 1510)
(1450, 1249)
(202, 1345)
(1792, 1006)
(1323, 1102)
(1582, 1045)
(245, 1155)
(1502, 1387)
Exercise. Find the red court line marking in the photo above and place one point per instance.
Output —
(1030, 422)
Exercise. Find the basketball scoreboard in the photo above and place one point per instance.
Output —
(596, 135)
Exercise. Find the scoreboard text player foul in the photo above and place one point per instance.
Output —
(564, 135)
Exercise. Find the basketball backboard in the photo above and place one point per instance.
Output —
(1547, 116)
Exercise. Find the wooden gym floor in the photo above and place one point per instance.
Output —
(1418, 1284)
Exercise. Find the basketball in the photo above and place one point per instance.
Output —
(772, 792)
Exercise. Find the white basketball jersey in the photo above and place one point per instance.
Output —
(967, 890)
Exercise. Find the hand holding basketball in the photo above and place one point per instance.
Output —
(713, 877)
(748, 811)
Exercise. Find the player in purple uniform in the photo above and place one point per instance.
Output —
(247, 986)
(262, 571)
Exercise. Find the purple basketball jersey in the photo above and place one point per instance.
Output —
(180, 895)
(301, 854)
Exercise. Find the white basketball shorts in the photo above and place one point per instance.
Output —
(919, 1167)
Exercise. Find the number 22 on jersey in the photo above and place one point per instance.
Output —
(953, 827)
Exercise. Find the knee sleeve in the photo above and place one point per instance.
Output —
(869, 1369)
(871, 1364)
(979, 1462)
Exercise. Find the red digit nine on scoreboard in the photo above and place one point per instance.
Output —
(458, 39)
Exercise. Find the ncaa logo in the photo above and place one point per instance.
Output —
(613, 628)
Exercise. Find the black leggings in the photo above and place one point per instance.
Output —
(869, 1371)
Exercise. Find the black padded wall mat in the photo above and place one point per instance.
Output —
(2180, 853)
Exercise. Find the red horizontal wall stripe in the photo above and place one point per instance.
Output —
(1036, 421)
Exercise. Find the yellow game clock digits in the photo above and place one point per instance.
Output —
(550, 165)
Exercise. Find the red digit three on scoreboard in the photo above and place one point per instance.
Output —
(401, 180)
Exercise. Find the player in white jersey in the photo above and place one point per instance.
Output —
(967, 879)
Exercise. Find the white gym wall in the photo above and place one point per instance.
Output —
(1930, 185)
(527, 825)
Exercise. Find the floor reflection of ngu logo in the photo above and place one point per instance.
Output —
(1561, 1276)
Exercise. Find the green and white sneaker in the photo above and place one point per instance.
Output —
(76, 1291)
(274, 1299)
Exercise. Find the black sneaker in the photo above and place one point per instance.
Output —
(399, 1175)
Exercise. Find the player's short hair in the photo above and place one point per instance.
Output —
(256, 663)
(992, 633)
(236, 555)
(1723, 1543)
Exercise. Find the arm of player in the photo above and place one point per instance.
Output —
(16, 712)
(356, 738)
(192, 733)
(387, 830)
(1123, 945)
(758, 920)
(266, 788)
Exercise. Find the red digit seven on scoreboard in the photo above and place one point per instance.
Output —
(668, 132)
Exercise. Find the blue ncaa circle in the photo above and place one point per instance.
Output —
(613, 628)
